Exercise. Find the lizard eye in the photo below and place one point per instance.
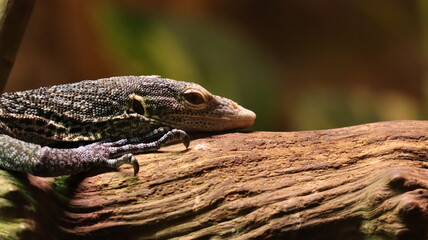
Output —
(195, 98)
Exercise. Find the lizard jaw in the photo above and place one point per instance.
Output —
(236, 117)
(242, 118)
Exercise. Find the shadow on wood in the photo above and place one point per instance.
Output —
(348, 183)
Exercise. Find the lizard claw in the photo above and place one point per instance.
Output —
(135, 165)
(186, 141)
(176, 134)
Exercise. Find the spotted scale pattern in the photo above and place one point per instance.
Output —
(66, 129)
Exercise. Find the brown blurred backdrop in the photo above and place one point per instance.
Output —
(299, 64)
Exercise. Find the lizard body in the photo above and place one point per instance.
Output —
(106, 121)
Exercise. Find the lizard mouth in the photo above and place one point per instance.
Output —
(239, 119)
(244, 119)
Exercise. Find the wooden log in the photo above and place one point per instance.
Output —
(361, 182)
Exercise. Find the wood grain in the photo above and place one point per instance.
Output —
(367, 181)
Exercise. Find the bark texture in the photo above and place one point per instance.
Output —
(362, 182)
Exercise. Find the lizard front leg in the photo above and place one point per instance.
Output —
(45, 161)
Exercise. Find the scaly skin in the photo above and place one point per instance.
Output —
(106, 121)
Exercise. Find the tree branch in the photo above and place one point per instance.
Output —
(348, 183)
(14, 15)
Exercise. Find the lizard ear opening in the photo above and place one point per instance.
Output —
(137, 105)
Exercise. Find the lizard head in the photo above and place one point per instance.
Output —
(188, 106)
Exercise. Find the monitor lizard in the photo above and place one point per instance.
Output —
(70, 128)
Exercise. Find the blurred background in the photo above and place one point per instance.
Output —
(299, 64)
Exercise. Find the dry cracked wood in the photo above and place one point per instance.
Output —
(349, 183)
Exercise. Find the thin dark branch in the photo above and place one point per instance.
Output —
(14, 15)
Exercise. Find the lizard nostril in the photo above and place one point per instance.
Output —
(234, 105)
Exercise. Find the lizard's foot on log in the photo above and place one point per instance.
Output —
(46, 161)
(123, 146)
(146, 138)
(129, 145)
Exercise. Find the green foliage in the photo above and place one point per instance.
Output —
(338, 108)
(221, 59)
(17, 205)
(63, 187)
(219, 56)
